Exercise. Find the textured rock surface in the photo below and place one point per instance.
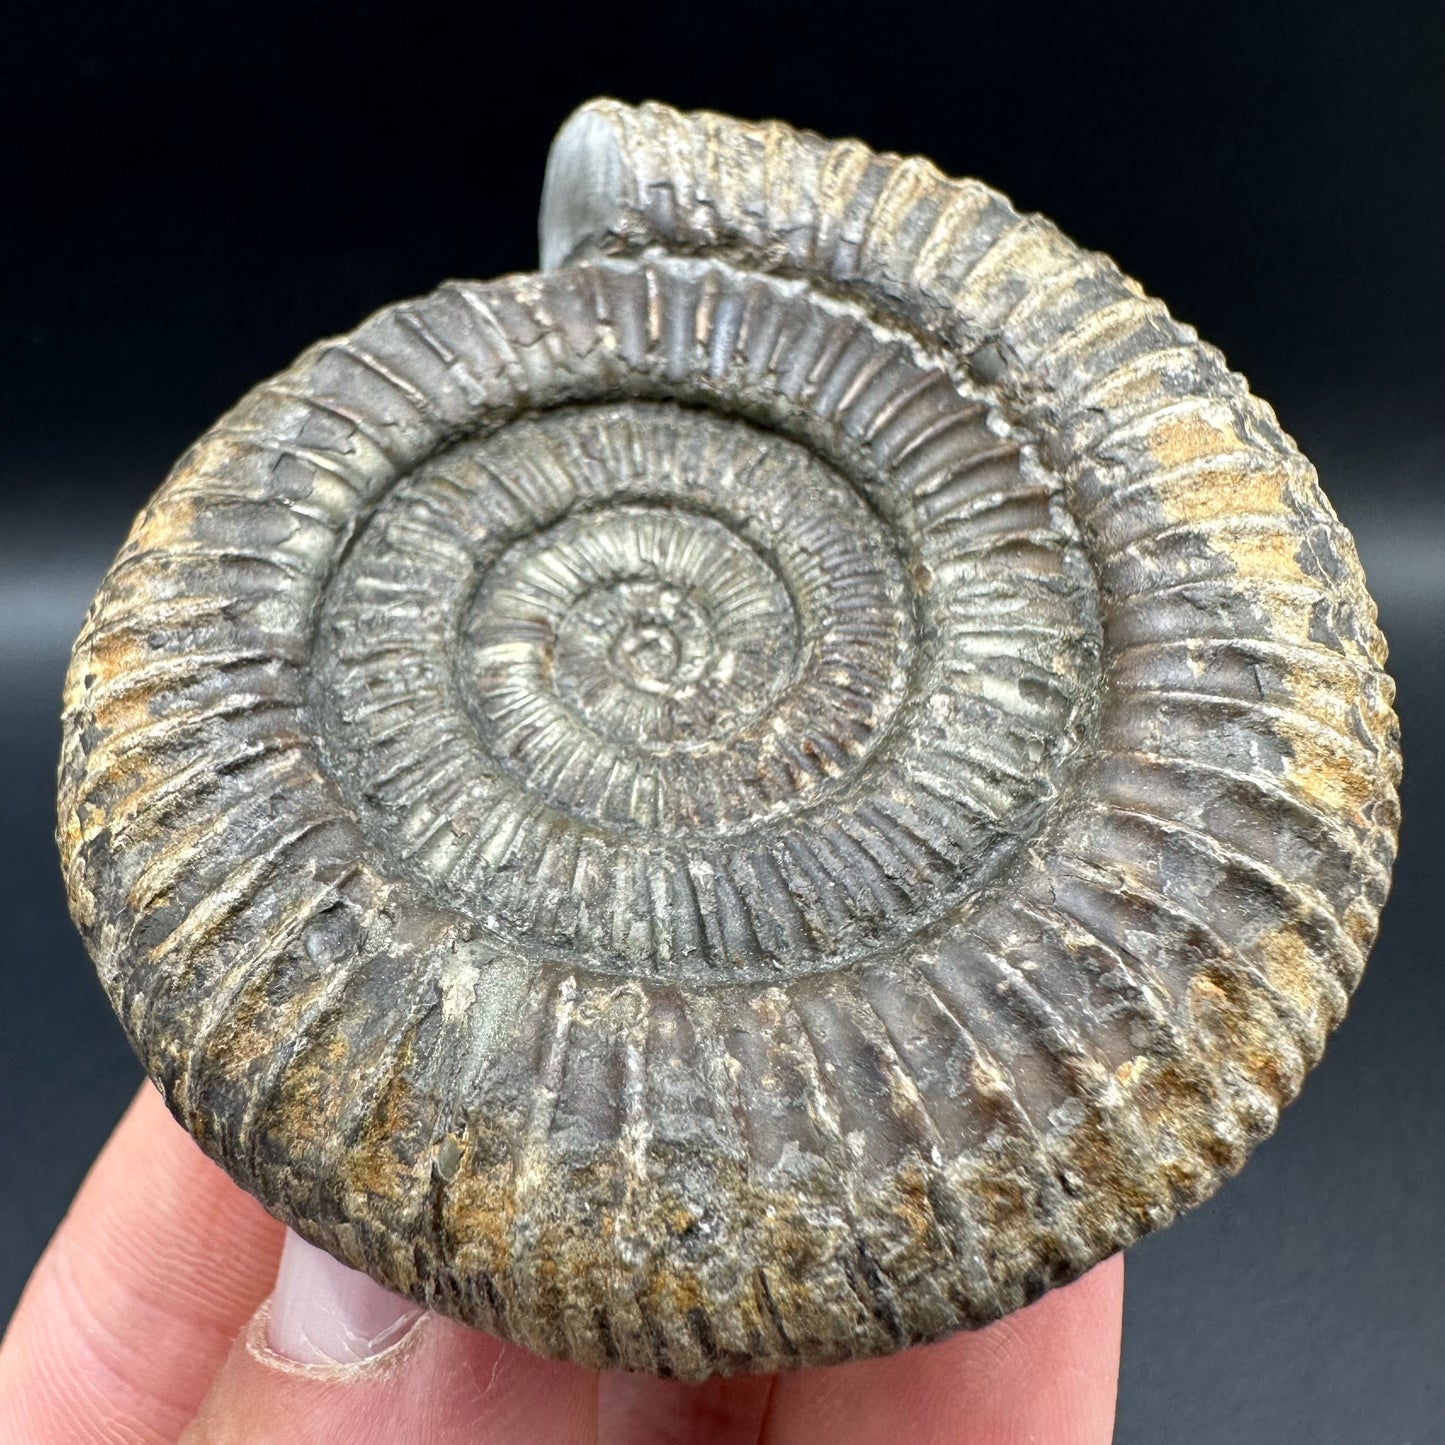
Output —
(765, 794)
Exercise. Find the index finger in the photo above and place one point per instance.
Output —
(134, 1303)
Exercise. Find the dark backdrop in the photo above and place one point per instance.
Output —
(189, 194)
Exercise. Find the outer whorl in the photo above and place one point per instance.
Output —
(762, 795)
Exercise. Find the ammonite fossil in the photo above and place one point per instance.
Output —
(766, 793)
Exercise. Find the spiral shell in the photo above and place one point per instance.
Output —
(764, 794)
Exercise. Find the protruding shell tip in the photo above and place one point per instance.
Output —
(582, 183)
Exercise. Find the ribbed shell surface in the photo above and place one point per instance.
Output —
(762, 795)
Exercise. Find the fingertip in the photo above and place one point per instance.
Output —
(323, 1313)
(332, 1355)
(1047, 1372)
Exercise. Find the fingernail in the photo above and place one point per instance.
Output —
(323, 1313)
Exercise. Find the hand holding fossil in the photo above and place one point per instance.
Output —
(148, 1320)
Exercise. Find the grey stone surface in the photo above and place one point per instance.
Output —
(763, 795)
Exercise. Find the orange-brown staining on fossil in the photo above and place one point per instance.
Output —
(386, 1175)
(1242, 1032)
(1327, 769)
(1130, 1070)
(115, 696)
(478, 1219)
(307, 1100)
(1261, 549)
(1290, 963)
(1192, 436)
(1212, 479)
(1176, 1106)
(1216, 488)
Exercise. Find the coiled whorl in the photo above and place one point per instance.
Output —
(762, 795)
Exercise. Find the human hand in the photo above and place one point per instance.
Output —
(152, 1318)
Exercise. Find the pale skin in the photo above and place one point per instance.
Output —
(151, 1319)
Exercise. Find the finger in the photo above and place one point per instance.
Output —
(641, 1410)
(334, 1357)
(135, 1301)
(1049, 1372)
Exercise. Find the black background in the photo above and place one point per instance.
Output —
(189, 194)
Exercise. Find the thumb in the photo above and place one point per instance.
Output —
(332, 1356)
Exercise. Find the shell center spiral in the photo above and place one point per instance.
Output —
(649, 628)
(654, 690)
